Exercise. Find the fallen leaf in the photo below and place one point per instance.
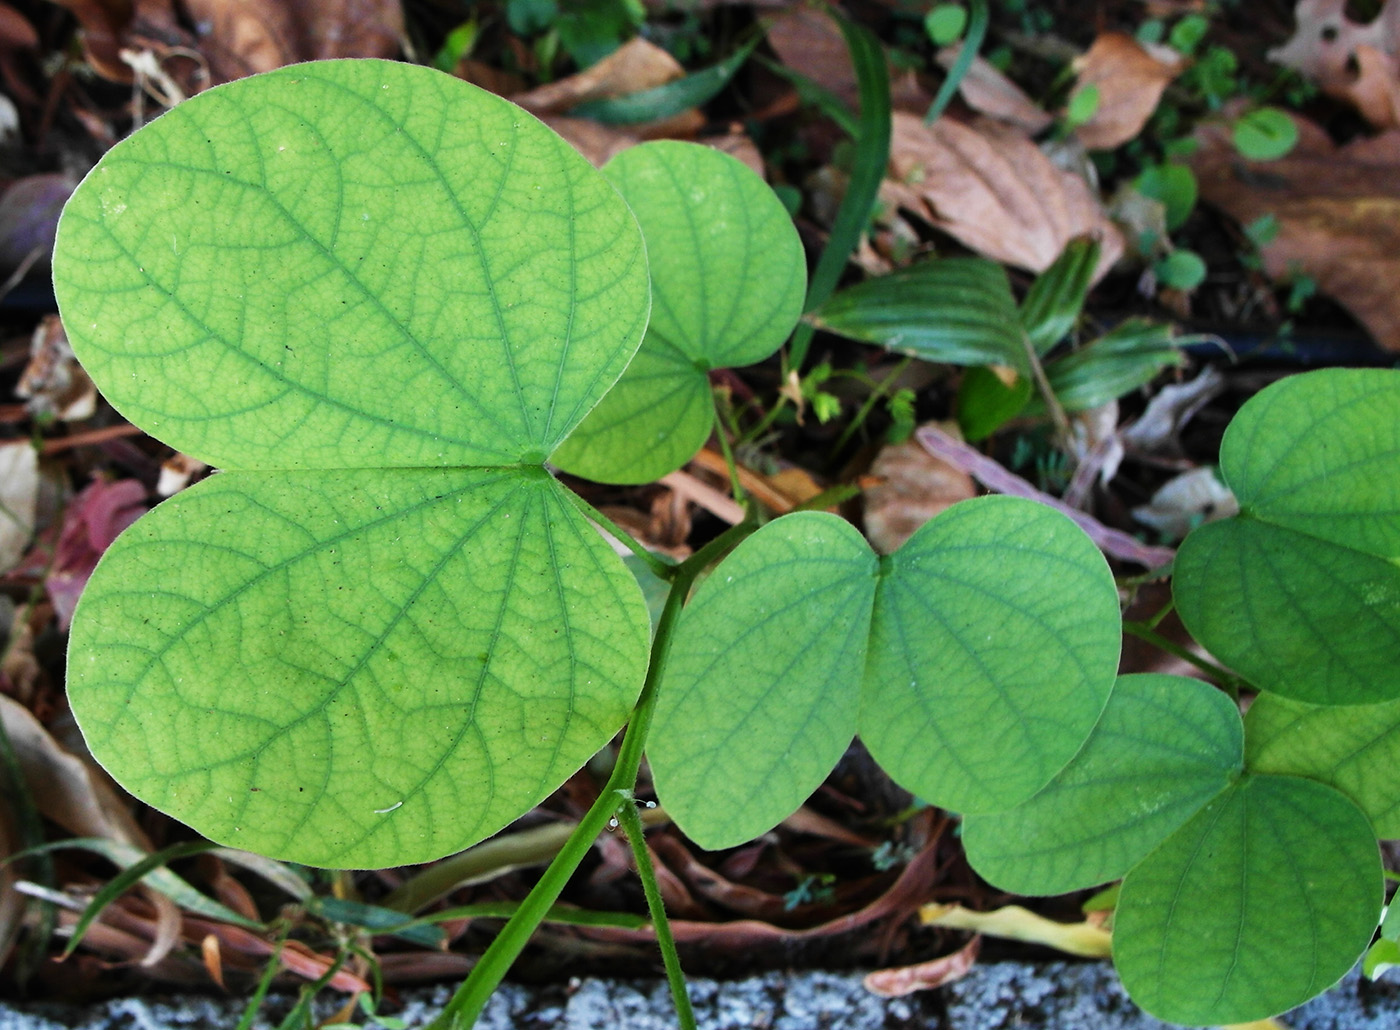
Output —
(176, 472)
(895, 983)
(598, 143)
(632, 67)
(94, 519)
(1158, 429)
(16, 33)
(910, 487)
(28, 218)
(19, 495)
(1338, 215)
(809, 41)
(241, 37)
(1351, 60)
(1185, 501)
(990, 187)
(53, 383)
(1130, 81)
(1018, 924)
(987, 91)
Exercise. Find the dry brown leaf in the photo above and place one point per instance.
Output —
(632, 67)
(53, 383)
(911, 486)
(808, 40)
(987, 91)
(240, 37)
(1338, 212)
(895, 983)
(1130, 82)
(19, 498)
(1354, 61)
(598, 143)
(989, 186)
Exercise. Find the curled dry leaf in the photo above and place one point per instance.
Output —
(987, 91)
(910, 487)
(1338, 214)
(632, 67)
(1019, 924)
(241, 37)
(1185, 501)
(895, 983)
(1350, 60)
(53, 383)
(1130, 81)
(990, 187)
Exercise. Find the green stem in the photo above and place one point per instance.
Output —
(466, 1005)
(660, 566)
(735, 487)
(632, 826)
(972, 42)
(1225, 679)
(880, 391)
(1052, 403)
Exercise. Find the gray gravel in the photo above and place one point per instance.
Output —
(995, 996)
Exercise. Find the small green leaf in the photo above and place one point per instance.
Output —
(1174, 185)
(1083, 105)
(1355, 748)
(357, 669)
(994, 646)
(1164, 746)
(954, 310)
(727, 274)
(1265, 134)
(760, 693)
(1263, 900)
(669, 99)
(986, 402)
(1181, 270)
(1052, 304)
(1300, 593)
(945, 23)
(1116, 363)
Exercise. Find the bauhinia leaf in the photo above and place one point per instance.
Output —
(1263, 900)
(759, 700)
(384, 296)
(1164, 746)
(1301, 591)
(1355, 748)
(728, 276)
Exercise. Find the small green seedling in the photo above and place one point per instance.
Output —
(387, 304)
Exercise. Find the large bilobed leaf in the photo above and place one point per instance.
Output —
(1301, 591)
(728, 277)
(954, 310)
(1263, 900)
(1164, 746)
(1355, 748)
(384, 296)
(994, 647)
(760, 694)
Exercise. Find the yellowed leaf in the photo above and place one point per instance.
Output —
(987, 91)
(990, 187)
(910, 487)
(1018, 924)
(1130, 81)
(1338, 212)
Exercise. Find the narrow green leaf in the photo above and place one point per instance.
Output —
(1164, 746)
(378, 920)
(245, 275)
(954, 310)
(994, 646)
(359, 668)
(1115, 364)
(760, 693)
(1355, 748)
(727, 274)
(668, 99)
(1301, 592)
(1052, 304)
(1263, 900)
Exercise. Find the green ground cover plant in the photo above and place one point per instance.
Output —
(387, 304)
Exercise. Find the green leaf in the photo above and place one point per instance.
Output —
(994, 646)
(1265, 134)
(945, 23)
(986, 402)
(244, 276)
(1082, 106)
(1052, 304)
(356, 669)
(669, 99)
(954, 310)
(1181, 270)
(1164, 746)
(1355, 748)
(1174, 185)
(1300, 593)
(389, 633)
(760, 695)
(728, 275)
(1115, 364)
(1263, 900)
